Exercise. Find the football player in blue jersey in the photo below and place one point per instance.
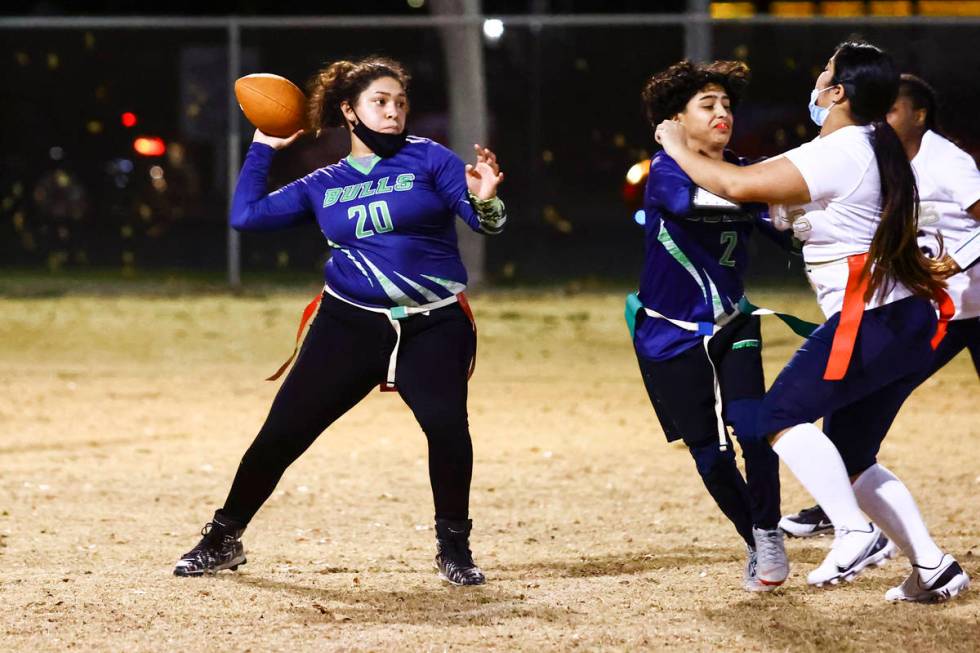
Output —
(700, 357)
(857, 193)
(392, 311)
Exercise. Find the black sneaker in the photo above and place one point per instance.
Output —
(220, 548)
(453, 558)
(806, 523)
(932, 584)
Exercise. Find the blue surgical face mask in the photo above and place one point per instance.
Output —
(818, 114)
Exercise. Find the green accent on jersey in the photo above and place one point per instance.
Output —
(452, 286)
(394, 293)
(331, 196)
(404, 181)
(360, 212)
(367, 188)
(363, 169)
(383, 187)
(664, 237)
(350, 192)
(729, 239)
(422, 290)
(380, 218)
(353, 260)
(746, 344)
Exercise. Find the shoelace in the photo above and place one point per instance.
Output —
(768, 550)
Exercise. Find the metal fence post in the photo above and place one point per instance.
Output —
(697, 31)
(234, 150)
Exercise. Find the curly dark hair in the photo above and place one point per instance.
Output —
(666, 93)
(344, 81)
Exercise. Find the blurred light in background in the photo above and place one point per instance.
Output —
(728, 10)
(493, 28)
(640, 217)
(637, 172)
(845, 8)
(793, 9)
(149, 146)
(128, 119)
(636, 178)
(943, 8)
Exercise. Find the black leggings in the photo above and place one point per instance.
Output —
(345, 355)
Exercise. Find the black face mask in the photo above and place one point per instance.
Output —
(382, 144)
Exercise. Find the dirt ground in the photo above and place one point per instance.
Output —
(122, 420)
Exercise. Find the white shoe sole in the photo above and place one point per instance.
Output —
(792, 529)
(960, 583)
(231, 565)
(879, 559)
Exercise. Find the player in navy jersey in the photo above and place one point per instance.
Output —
(393, 310)
(699, 356)
(857, 194)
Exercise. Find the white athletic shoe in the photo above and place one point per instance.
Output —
(772, 567)
(931, 584)
(750, 581)
(852, 553)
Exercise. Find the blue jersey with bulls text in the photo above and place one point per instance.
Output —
(696, 252)
(390, 222)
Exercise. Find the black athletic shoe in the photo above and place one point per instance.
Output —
(453, 558)
(932, 584)
(806, 523)
(220, 548)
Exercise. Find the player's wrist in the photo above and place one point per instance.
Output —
(490, 212)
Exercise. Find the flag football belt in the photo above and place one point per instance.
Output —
(394, 315)
(852, 311)
(707, 330)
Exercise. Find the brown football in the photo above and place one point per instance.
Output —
(272, 103)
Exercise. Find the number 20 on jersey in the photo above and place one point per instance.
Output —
(377, 212)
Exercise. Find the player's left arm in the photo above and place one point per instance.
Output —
(776, 181)
(470, 191)
(962, 178)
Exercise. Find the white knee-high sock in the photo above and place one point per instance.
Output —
(815, 461)
(884, 498)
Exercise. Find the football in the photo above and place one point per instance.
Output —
(272, 103)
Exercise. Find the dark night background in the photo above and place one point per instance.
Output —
(564, 115)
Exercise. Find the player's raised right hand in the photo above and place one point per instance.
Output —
(274, 141)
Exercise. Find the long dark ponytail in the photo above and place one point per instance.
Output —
(870, 82)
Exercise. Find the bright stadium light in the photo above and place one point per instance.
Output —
(493, 28)
(637, 172)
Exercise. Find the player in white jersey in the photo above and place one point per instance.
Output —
(949, 207)
(875, 286)
(949, 211)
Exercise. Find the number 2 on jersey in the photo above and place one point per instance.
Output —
(729, 239)
(380, 218)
